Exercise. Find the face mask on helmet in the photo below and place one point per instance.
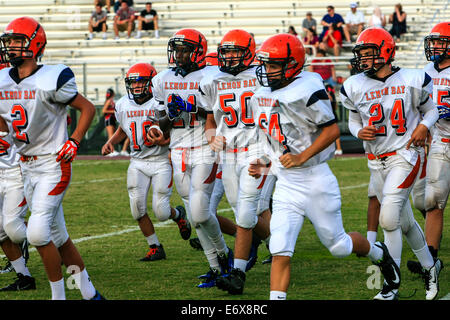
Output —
(138, 88)
(271, 74)
(14, 49)
(182, 55)
(367, 59)
(232, 58)
(437, 48)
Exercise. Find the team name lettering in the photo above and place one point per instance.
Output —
(17, 95)
(441, 82)
(268, 102)
(236, 84)
(181, 85)
(376, 94)
(140, 113)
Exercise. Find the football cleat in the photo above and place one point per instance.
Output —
(387, 293)
(195, 243)
(155, 253)
(183, 223)
(8, 267)
(22, 283)
(97, 296)
(253, 256)
(267, 260)
(388, 267)
(226, 261)
(431, 279)
(234, 283)
(24, 249)
(414, 267)
(208, 279)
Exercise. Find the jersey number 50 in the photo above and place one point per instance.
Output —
(20, 122)
(398, 119)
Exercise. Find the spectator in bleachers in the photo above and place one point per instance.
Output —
(309, 23)
(106, 3)
(332, 40)
(148, 20)
(398, 20)
(311, 39)
(291, 30)
(110, 122)
(377, 20)
(97, 22)
(324, 67)
(330, 18)
(354, 22)
(124, 20)
(118, 3)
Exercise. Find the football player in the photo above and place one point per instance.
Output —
(231, 131)
(437, 186)
(13, 209)
(293, 112)
(386, 104)
(36, 97)
(194, 163)
(149, 163)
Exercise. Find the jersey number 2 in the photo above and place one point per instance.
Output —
(19, 122)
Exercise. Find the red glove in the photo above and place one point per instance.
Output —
(69, 150)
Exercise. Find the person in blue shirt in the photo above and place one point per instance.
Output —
(330, 18)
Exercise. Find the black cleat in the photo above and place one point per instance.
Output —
(226, 261)
(234, 283)
(388, 267)
(155, 253)
(8, 267)
(387, 293)
(415, 267)
(22, 283)
(209, 279)
(97, 296)
(183, 223)
(195, 243)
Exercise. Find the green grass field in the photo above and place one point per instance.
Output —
(98, 219)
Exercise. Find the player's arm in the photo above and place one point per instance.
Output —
(117, 137)
(216, 143)
(328, 135)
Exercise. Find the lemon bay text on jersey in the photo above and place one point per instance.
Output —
(17, 94)
(376, 94)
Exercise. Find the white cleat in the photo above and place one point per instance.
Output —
(431, 279)
(387, 293)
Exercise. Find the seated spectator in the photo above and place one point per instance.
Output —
(148, 20)
(105, 2)
(311, 39)
(354, 22)
(332, 40)
(124, 20)
(117, 4)
(97, 22)
(377, 20)
(330, 18)
(398, 20)
(324, 67)
(309, 23)
(291, 30)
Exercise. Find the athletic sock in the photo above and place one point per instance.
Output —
(58, 291)
(372, 236)
(240, 264)
(20, 267)
(277, 295)
(153, 239)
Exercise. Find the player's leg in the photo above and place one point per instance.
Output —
(138, 185)
(373, 213)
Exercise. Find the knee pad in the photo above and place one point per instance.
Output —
(38, 231)
(246, 220)
(390, 214)
(342, 247)
(161, 207)
(138, 205)
(15, 230)
(199, 203)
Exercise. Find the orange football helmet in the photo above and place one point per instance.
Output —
(211, 59)
(283, 49)
(384, 50)
(33, 41)
(434, 51)
(138, 81)
(242, 44)
(191, 40)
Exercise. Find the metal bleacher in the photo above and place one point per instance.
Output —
(100, 64)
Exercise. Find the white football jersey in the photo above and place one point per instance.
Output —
(441, 94)
(37, 106)
(292, 117)
(228, 97)
(188, 130)
(135, 120)
(10, 157)
(394, 105)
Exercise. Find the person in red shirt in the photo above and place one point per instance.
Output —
(324, 67)
(332, 40)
